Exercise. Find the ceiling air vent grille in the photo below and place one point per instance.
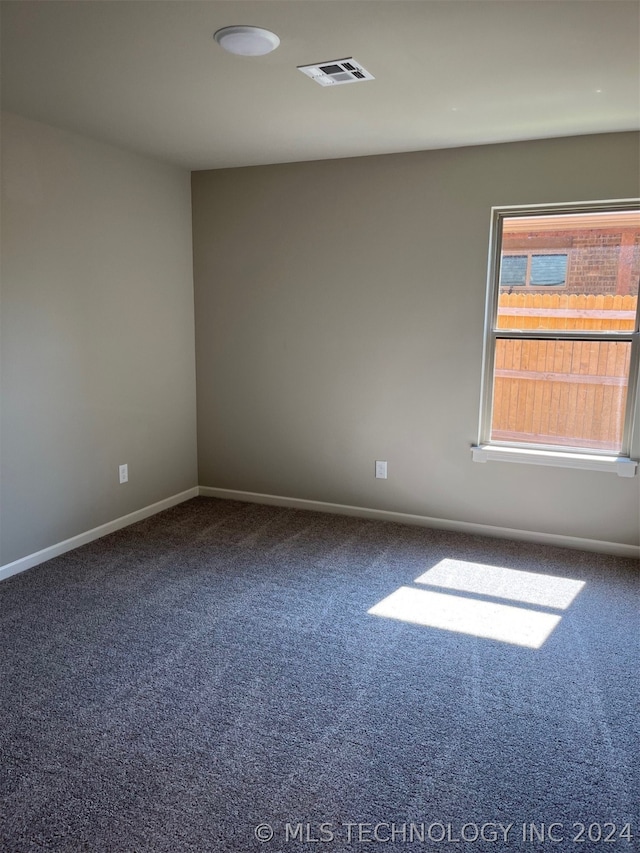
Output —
(336, 72)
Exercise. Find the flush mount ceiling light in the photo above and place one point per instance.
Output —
(247, 41)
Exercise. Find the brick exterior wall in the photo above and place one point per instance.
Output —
(593, 263)
(593, 258)
(635, 267)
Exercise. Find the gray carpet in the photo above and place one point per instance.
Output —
(174, 685)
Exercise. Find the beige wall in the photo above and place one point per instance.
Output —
(339, 320)
(339, 312)
(97, 335)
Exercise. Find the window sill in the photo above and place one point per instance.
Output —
(620, 465)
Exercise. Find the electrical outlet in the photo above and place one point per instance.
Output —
(381, 470)
(123, 471)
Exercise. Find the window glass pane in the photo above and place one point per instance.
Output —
(568, 393)
(548, 270)
(596, 256)
(513, 270)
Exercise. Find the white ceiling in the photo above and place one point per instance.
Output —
(148, 76)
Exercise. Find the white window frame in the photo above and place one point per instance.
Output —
(547, 454)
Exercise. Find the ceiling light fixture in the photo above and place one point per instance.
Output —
(246, 41)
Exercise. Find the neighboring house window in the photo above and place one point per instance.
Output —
(561, 368)
(535, 269)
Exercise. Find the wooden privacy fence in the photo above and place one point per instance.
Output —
(562, 392)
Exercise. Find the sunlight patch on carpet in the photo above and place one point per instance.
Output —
(500, 582)
(503, 622)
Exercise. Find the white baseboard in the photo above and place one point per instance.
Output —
(82, 538)
(598, 546)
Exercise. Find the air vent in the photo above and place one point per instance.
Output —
(335, 72)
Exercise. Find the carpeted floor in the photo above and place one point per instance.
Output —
(175, 685)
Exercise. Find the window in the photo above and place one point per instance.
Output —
(561, 340)
(536, 269)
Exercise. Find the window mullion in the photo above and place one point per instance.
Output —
(563, 335)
